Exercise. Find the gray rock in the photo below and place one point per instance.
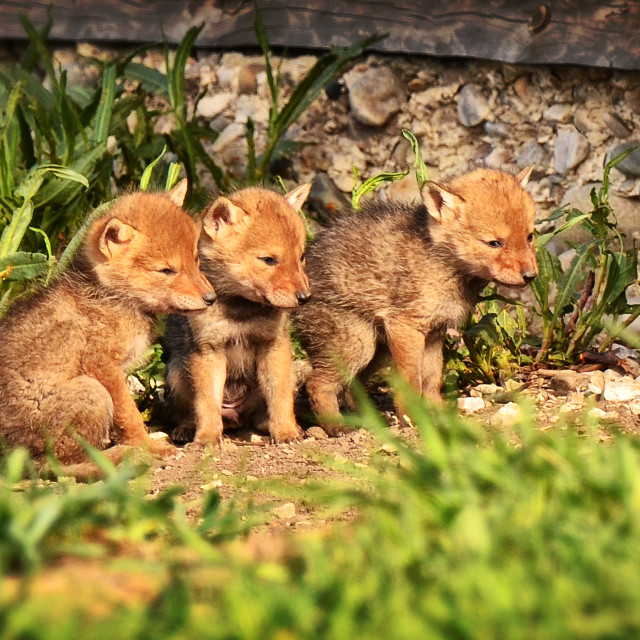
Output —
(375, 96)
(531, 153)
(615, 125)
(473, 107)
(571, 149)
(630, 166)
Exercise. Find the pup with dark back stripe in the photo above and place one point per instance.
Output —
(398, 276)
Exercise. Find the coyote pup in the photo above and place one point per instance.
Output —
(399, 275)
(65, 350)
(233, 362)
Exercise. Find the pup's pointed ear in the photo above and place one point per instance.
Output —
(297, 197)
(115, 238)
(179, 192)
(524, 175)
(221, 212)
(440, 202)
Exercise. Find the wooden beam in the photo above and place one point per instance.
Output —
(585, 32)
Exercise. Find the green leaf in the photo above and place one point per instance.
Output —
(146, 175)
(21, 266)
(422, 173)
(105, 106)
(59, 192)
(543, 239)
(175, 74)
(173, 173)
(263, 41)
(372, 184)
(151, 80)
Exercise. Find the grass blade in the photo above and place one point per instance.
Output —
(105, 106)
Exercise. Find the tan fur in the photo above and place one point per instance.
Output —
(65, 350)
(233, 362)
(400, 275)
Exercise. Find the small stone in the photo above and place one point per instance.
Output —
(165, 124)
(621, 390)
(571, 149)
(159, 435)
(247, 81)
(211, 106)
(230, 134)
(615, 125)
(522, 87)
(497, 158)
(251, 107)
(488, 389)
(375, 96)
(531, 153)
(316, 432)
(630, 166)
(497, 129)
(575, 402)
(134, 385)
(473, 107)
(325, 199)
(512, 385)
(506, 416)
(596, 383)
(564, 382)
(287, 511)
(471, 405)
(558, 113)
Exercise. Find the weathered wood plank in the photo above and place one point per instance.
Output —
(589, 32)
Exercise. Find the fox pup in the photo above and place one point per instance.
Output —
(233, 362)
(399, 275)
(65, 350)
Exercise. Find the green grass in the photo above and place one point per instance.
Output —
(462, 534)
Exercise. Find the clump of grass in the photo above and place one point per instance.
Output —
(462, 533)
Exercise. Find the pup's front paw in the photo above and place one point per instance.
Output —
(336, 430)
(207, 439)
(160, 448)
(281, 433)
(183, 433)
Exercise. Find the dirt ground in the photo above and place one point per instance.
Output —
(249, 461)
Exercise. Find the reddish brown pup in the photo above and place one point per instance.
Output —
(65, 350)
(232, 364)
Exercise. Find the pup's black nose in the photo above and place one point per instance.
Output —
(529, 276)
(303, 296)
(210, 297)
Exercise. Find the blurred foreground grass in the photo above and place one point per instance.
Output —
(462, 534)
